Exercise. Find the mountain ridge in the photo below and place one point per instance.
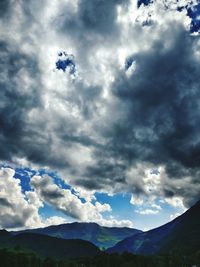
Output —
(101, 236)
(181, 233)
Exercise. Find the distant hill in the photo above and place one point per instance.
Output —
(92, 232)
(183, 234)
(47, 246)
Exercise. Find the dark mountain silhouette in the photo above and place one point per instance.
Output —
(183, 234)
(47, 246)
(4, 235)
(98, 235)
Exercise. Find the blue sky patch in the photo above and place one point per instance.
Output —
(143, 2)
(65, 62)
(128, 63)
(194, 13)
(24, 175)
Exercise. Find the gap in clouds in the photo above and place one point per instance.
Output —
(65, 62)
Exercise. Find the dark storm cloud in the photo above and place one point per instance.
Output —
(5, 6)
(103, 171)
(162, 104)
(157, 108)
(25, 137)
(98, 17)
(94, 24)
(152, 116)
(154, 119)
(19, 135)
(15, 101)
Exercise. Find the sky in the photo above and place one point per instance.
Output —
(99, 111)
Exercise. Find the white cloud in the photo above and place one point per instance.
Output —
(70, 204)
(176, 202)
(102, 207)
(65, 201)
(147, 211)
(136, 200)
(175, 215)
(155, 206)
(88, 195)
(146, 205)
(54, 220)
(16, 209)
(112, 222)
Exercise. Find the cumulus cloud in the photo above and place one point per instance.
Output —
(21, 210)
(17, 210)
(136, 200)
(103, 128)
(146, 206)
(112, 222)
(175, 202)
(65, 201)
(54, 220)
(70, 204)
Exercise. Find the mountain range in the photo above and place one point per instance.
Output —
(86, 239)
(103, 237)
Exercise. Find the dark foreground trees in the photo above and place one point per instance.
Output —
(20, 258)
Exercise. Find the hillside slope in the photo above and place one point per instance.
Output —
(47, 246)
(183, 234)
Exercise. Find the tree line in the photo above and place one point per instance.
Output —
(19, 258)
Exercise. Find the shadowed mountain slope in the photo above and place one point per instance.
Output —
(183, 234)
(47, 246)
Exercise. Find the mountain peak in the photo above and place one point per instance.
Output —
(100, 236)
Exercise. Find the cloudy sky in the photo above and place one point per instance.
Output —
(99, 111)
